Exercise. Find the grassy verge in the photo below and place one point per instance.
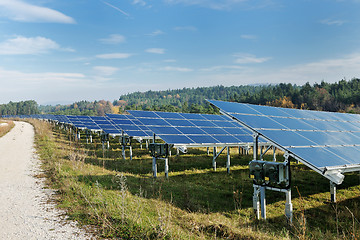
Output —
(4, 129)
(121, 199)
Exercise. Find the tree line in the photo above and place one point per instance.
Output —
(19, 108)
(341, 96)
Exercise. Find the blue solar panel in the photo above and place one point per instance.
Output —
(188, 128)
(130, 125)
(319, 139)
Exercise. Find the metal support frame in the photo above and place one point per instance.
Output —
(333, 191)
(154, 162)
(216, 155)
(214, 159)
(228, 160)
(123, 146)
(288, 206)
(256, 201)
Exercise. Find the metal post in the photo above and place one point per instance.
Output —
(208, 151)
(177, 152)
(256, 203)
(78, 136)
(141, 144)
(288, 206)
(131, 155)
(108, 144)
(263, 202)
(166, 167)
(255, 146)
(147, 144)
(274, 153)
(214, 159)
(228, 160)
(123, 152)
(154, 167)
(333, 191)
(90, 138)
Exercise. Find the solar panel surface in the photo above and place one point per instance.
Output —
(323, 140)
(189, 128)
(130, 125)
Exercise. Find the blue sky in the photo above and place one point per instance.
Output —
(56, 51)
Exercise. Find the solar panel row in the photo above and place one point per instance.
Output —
(322, 140)
(193, 129)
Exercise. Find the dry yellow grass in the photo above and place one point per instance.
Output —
(5, 128)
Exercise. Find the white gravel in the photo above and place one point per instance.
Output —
(25, 209)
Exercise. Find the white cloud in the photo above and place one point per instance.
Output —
(139, 2)
(222, 68)
(155, 50)
(176, 69)
(244, 58)
(333, 22)
(18, 10)
(155, 33)
(213, 4)
(114, 56)
(113, 39)
(186, 28)
(22, 46)
(105, 70)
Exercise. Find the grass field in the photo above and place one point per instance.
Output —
(121, 199)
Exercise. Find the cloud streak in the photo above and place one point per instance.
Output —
(155, 50)
(24, 12)
(244, 58)
(116, 8)
(29, 46)
(114, 55)
(113, 39)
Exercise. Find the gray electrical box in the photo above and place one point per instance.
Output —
(272, 174)
(159, 149)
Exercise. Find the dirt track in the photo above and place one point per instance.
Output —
(25, 209)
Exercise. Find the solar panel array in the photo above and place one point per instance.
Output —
(192, 129)
(323, 140)
(130, 125)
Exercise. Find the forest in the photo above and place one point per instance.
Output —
(342, 96)
(19, 108)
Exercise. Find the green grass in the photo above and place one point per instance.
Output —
(121, 199)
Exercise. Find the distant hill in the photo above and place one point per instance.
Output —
(343, 96)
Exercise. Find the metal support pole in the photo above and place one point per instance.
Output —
(154, 167)
(90, 138)
(147, 144)
(141, 144)
(214, 159)
(208, 151)
(108, 144)
(274, 153)
(78, 136)
(131, 153)
(123, 152)
(256, 202)
(177, 152)
(333, 191)
(166, 167)
(228, 160)
(288, 206)
(255, 146)
(263, 202)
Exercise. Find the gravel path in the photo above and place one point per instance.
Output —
(25, 209)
